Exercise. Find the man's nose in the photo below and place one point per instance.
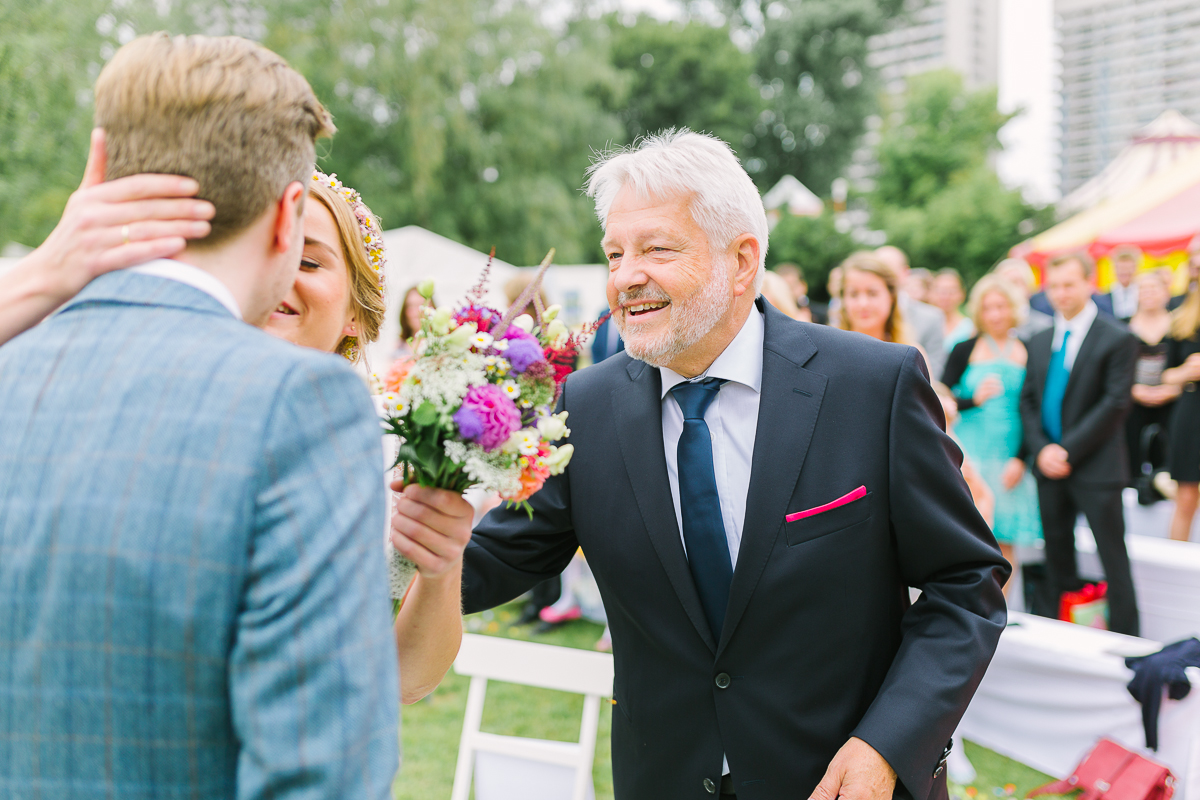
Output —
(628, 274)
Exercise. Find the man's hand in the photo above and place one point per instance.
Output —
(1014, 470)
(108, 226)
(1052, 461)
(857, 772)
(431, 527)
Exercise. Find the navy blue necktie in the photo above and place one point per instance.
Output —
(699, 504)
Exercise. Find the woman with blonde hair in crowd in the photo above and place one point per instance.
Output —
(946, 292)
(986, 373)
(1183, 371)
(868, 299)
(410, 322)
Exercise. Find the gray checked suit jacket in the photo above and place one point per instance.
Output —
(193, 599)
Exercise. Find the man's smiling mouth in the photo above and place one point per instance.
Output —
(645, 308)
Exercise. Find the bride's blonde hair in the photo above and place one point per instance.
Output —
(366, 285)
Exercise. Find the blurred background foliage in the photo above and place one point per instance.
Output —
(477, 119)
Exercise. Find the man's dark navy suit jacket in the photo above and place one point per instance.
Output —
(820, 642)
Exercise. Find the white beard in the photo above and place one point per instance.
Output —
(691, 320)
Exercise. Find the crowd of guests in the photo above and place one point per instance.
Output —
(1059, 398)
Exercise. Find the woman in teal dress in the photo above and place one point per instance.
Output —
(986, 373)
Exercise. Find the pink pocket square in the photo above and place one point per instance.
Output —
(857, 494)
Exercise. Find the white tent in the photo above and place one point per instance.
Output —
(1153, 149)
(415, 254)
(792, 196)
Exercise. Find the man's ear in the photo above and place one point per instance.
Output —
(745, 249)
(289, 213)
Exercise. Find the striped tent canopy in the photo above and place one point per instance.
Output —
(1160, 216)
(1153, 149)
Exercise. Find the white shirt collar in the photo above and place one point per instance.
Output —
(194, 277)
(741, 362)
(1081, 323)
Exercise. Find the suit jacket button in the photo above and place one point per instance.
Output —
(709, 786)
(723, 680)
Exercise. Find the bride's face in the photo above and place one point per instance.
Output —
(316, 311)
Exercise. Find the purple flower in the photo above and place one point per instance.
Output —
(495, 417)
(523, 353)
(470, 426)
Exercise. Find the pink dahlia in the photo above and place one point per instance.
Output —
(487, 417)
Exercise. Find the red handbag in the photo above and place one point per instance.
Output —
(1110, 772)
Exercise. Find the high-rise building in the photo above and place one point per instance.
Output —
(962, 35)
(1124, 62)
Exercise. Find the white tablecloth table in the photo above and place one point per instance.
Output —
(1054, 689)
(1166, 577)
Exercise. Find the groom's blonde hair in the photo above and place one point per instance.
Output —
(223, 110)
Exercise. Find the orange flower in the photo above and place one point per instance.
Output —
(397, 373)
(532, 478)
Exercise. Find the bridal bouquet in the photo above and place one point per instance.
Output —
(475, 408)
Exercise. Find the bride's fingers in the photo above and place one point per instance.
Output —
(93, 173)
(421, 545)
(144, 187)
(139, 253)
(131, 211)
(148, 230)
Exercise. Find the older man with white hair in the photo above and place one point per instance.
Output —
(754, 496)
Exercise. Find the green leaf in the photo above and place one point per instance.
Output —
(425, 414)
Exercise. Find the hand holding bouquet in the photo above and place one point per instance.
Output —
(476, 407)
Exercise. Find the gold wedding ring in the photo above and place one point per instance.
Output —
(124, 234)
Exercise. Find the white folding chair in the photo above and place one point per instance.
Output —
(566, 669)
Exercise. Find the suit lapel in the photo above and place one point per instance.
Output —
(1083, 357)
(637, 408)
(789, 403)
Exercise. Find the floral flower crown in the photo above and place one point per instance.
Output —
(367, 224)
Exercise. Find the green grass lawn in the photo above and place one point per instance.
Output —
(432, 727)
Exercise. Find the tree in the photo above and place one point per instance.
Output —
(683, 75)
(49, 57)
(815, 244)
(811, 70)
(936, 195)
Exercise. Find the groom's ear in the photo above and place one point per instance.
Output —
(289, 219)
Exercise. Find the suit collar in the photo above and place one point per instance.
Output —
(131, 288)
(194, 277)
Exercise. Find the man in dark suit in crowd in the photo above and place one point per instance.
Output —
(754, 495)
(1121, 299)
(1073, 407)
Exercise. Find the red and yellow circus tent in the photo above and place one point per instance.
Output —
(1160, 216)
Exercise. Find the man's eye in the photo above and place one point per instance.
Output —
(613, 256)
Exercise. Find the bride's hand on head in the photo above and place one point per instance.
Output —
(111, 225)
(431, 528)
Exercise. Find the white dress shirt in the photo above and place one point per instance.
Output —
(194, 277)
(1124, 300)
(732, 421)
(1079, 325)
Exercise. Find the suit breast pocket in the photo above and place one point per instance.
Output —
(833, 521)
